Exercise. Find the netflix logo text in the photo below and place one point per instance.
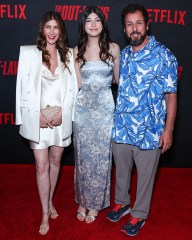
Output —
(7, 118)
(15, 11)
(167, 16)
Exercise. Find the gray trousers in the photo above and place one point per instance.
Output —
(146, 162)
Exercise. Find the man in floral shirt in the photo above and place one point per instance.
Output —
(144, 117)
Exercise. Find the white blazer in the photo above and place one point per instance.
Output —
(28, 93)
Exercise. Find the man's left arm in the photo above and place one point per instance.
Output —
(167, 135)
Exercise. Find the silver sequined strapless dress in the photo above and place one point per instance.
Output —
(92, 128)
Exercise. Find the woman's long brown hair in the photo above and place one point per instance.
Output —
(103, 38)
(61, 44)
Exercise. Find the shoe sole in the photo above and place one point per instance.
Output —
(132, 235)
(125, 213)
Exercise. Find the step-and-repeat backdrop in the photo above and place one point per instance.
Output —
(170, 23)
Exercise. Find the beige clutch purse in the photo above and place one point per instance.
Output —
(49, 112)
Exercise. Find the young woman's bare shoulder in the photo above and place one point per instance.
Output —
(75, 50)
(113, 45)
(114, 49)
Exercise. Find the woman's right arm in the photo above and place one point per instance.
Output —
(115, 51)
(18, 119)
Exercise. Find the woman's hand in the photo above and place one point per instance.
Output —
(57, 120)
(44, 123)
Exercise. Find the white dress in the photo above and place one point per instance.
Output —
(50, 95)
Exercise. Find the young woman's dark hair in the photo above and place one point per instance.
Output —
(103, 38)
(132, 8)
(62, 42)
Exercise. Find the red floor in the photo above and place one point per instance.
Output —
(20, 213)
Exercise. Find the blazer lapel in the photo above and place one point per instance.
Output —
(38, 72)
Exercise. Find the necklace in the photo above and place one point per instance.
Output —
(53, 54)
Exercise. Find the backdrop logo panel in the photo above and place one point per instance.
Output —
(72, 12)
(16, 11)
(167, 16)
(170, 23)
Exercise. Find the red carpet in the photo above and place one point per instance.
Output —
(170, 217)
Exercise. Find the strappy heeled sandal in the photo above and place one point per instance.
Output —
(90, 218)
(81, 216)
(44, 228)
(53, 214)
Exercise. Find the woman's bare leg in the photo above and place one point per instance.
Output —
(43, 183)
(55, 154)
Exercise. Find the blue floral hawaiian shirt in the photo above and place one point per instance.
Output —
(145, 77)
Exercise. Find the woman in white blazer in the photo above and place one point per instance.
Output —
(46, 77)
